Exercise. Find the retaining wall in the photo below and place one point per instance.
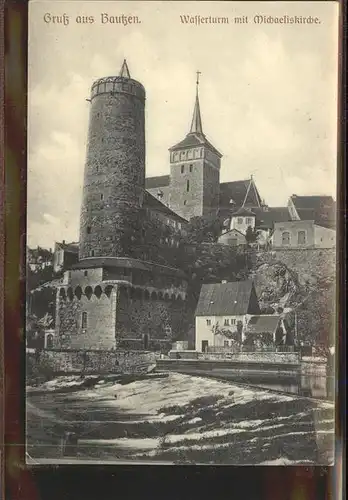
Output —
(95, 362)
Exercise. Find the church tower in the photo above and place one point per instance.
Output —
(194, 171)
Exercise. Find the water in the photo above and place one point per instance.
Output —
(312, 382)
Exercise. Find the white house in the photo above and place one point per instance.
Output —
(223, 307)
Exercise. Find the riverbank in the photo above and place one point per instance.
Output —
(179, 418)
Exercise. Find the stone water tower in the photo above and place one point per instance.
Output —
(114, 177)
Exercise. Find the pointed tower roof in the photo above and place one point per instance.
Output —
(196, 124)
(124, 70)
(196, 136)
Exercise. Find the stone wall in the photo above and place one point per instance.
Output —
(101, 316)
(255, 357)
(114, 180)
(160, 320)
(95, 362)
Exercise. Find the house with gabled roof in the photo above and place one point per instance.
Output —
(311, 224)
(223, 306)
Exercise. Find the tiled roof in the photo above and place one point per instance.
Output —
(263, 323)
(126, 262)
(233, 231)
(267, 218)
(221, 299)
(236, 192)
(154, 204)
(244, 211)
(193, 139)
(156, 182)
(321, 209)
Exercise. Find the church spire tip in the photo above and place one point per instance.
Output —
(196, 125)
(124, 70)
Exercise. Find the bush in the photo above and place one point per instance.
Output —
(38, 371)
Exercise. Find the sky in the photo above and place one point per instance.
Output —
(268, 96)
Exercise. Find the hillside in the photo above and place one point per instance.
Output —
(303, 280)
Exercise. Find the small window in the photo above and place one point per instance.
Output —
(249, 221)
(191, 168)
(208, 322)
(286, 238)
(85, 273)
(187, 185)
(233, 321)
(182, 168)
(91, 253)
(84, 321)
(301, 237)
(184, 202)
(240, 220)
(227, 322)
(88, 229)
(101, 196)
(179, 225)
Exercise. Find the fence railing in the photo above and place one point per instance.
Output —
(247, 349)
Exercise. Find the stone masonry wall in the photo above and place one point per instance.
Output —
(114, 179)
(94, 362)
(101, 317)
(139, 317)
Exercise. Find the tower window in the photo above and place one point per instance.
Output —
(84, 321)
(88, 229)
(187, 185)
(191, 168)
(182, 168)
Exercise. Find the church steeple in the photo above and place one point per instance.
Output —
(124, 70)
(196, 125)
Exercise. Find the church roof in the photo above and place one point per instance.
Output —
(154, 204)
(194, 139)
(196, 124)
(232, 195)
(156, 182)
(196, 136)
(244, 211)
